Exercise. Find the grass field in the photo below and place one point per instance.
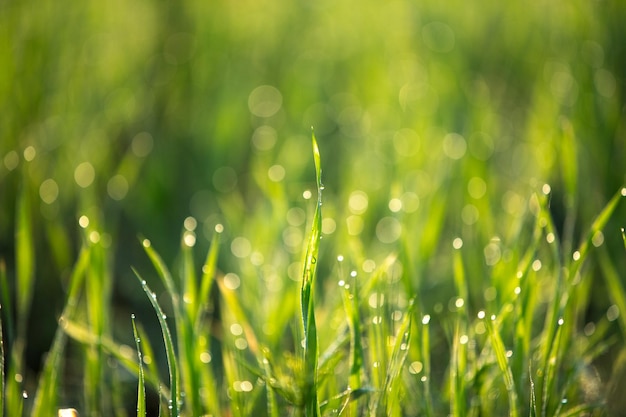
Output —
(175, 240)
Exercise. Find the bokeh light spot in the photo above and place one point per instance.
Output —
(264, 138)
(240, 247)
(358, 202)
(11, 160)
(84, 174)
(388, 230)
(117, 187)
(454, 146)
(265, 101)
(142, 144)
(276, 173)
(476, 187)
(49, 191)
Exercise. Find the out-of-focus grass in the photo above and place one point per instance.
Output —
(439, 125)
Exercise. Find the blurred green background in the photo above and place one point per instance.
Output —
(435, 120)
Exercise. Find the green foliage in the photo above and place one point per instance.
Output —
(467, 261)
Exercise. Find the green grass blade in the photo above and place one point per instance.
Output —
(209, 270)
(597, 226)
(141, 386)
(169, 347)
(499, 350)
(24, 260)
(48, 382)
(310, 355)
(163, 272)
(399, 353)
(124, 355)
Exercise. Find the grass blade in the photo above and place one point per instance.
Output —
(48, 383)
(141, 386)
(169, 347)
(498, 348)
(597, 226)
(307, 297)
(399, 353)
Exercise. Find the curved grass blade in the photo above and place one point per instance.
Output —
(209, 269)
(307, 296)
(169, 346)
(46, 391)
(125, 355)
(141, 388)
(499, 350)
(597, 225)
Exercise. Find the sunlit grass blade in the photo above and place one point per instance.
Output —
(597, 226)
(209, 270)
(392, 386)
(24, 261)
(351, 307)
(45, 398)
(499, 350)
(550, 374)
(172, 361)
(163, 272)
(141, 385)
(124, 355)
(307, 293)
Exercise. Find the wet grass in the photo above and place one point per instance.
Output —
(449, 242)
(518, 350)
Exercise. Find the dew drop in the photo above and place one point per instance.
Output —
(146, 243)
(426, 319)
(623, 192)
(132, 316)
(24, 394)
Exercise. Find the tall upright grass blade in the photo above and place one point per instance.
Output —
(141, 386)
(307, 296)
(172, 363)
(598, 224)
(500, 352)
(45, 399)
(123, 354)
(24, 262)
(209, 270)
(391, 387)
